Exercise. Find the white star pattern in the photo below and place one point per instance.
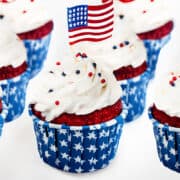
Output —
(65, 156)
(53, 148)
(78, 134)
(77, 159)
(103, 146)
(165, 142)
(66, 168)
(103, 157)
(177, 165)
(92, 148)
(57, 162)
(173, 151)
(166, 157)
(63, 143)
(171, 138)
(47, 155)
(91, 135)
(51, 134)
(45, 139)
(78, 147)
(79, 170)
(63, 131)
(93, 161)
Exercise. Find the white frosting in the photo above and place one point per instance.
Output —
(145, 15)
(12, 50)
(77, 93)
(24, 15)
(166, 96)
(133, 54)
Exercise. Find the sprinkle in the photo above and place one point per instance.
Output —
(144, 11)
(126, 43)
(83, 55)
(103, 81)
(58, 63)
(63, 74)
(1, 16)
(57, 103)
(78, 54)
(114, 47)
(78, 71)
(50, 90)
(24, 11)
(121, 16)
(90, 74)
(174, 78)
(121, 45)
(99, 74)
(51, 72)
(94, 65)
(32, 0)
(172, 83)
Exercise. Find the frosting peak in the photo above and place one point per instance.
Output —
(83, 88)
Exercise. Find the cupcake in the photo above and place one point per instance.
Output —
(14, 75)
(152, 23)
(165, 115)
(76, 116)
(34, 26)
(124, 54)
(3, 112)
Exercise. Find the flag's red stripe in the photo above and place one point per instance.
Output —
(100, 14)
(92, 27)
(89, 39)
(100, 7)
(91, 33)
(100, 20)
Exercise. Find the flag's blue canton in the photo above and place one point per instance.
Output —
(14, 95)
(83, 150)
(134, 96)
(77, 17)
(153, 49)
(3, 115)
(36, 53)
(168, 144)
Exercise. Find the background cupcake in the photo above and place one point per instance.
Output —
(74, 113)
(33, 25)
(124, 53)
(3, 112)
(165, 113)
(14, 76)
(151, 21)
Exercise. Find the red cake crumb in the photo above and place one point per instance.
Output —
(164, 118)
(96, 117)
(37, 33)
(11, 72)
(129, 71)
(157, 33)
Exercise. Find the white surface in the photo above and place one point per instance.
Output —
(136, 157)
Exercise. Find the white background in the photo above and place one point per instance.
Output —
(136, 158)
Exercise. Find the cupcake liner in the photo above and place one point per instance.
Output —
(37, 52)
(77, 149)
(14, 95)
(168, 144)
(153, 50)
(3, 115)
(134, 96)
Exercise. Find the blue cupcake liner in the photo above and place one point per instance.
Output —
(37, 52)
(168, 144)
(3, 115)
(153, 50)
(77, 149)
(14, 95)
(134, 96)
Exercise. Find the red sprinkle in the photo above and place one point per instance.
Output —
(58, 63)
(103, 81)
(57, 103)
(90, 74)
(24, 11)
(121, 45)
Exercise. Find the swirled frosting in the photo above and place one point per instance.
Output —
(166, 93)
(82, 88)
(24, 15)
(145, 15)
(124, 48)
(12, 50)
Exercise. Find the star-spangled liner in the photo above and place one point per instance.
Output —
(90, 22)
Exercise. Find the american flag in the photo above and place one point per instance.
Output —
(90, 22)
